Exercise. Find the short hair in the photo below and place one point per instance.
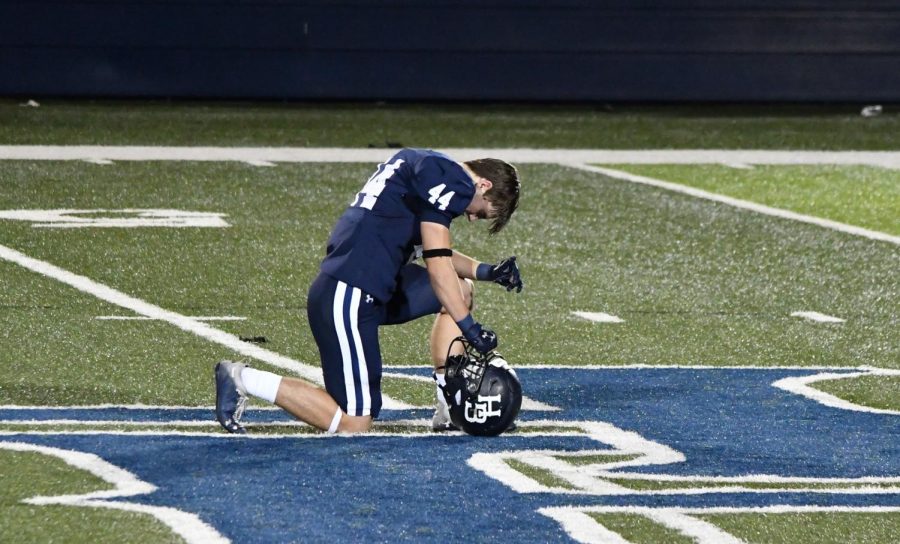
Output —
(504, 192)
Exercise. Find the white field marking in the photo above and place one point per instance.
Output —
(528, 403)
(126, 218)
(746, 479)
(599, 317)
(738, 203)
(132, 423)
(122, 406)
(183, 322)
(99, 161)
(816, 316)
(576, 522)
(886, 159)
(543, 366)
(595, 479)
(257, 162)
(738, 165)
(125, 484)
(713, 510)
(623, 442)
(701, 531)
(800, 385)
(582, 527)
(146, 318)
(421, 423)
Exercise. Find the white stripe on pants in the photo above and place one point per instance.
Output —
(347, 349)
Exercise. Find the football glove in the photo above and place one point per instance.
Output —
(484, 340)
(507, 274)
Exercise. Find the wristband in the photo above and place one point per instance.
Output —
(483, 272)
(466, 323)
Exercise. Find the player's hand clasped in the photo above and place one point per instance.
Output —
(484, 340)
(505, 273)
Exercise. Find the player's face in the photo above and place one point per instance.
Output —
(480, 208)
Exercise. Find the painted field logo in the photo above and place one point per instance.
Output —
(483, 409)
(124, 218)
(683, 449)
(686, 454)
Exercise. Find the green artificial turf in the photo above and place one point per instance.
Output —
(810, 528)
(639, 529)
(31, 474)
(864, 196)
(881, 392)
(616, 126)
(696, 282)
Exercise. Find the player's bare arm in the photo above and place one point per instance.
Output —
(445, 283)
(464, 265)
(442, 270)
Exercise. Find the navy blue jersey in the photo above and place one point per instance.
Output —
(379, 231)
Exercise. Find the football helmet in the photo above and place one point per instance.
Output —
(483, 392)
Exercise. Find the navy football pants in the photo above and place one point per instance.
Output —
(345, 320)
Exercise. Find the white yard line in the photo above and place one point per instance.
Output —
(219, 434)
(145, 318)
(816, 316)
(528, 404)
(575, 158)
(183, 322)
(886, 159)
(131, 423)
(738, 203)
(543, 366)
(599, 317)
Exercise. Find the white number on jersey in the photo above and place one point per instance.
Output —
(437, 197)
(376, 183)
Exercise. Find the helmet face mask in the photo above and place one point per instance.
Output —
(483, 393)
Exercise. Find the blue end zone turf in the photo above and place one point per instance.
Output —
(726, 422)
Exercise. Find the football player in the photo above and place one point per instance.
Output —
(368, 279)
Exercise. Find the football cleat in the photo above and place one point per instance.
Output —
(231, 397)
(440, 422)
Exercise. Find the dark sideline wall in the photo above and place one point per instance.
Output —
(559, 50)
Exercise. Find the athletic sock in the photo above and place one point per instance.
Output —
(440, 382)
(260, 383)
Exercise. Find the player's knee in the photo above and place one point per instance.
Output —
(355, 424)
(468, 290)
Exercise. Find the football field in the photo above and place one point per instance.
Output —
(708, 339)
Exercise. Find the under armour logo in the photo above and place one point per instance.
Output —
(369, 299)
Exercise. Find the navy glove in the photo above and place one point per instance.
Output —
(506, 273)
(484, 340)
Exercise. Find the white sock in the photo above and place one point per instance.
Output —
(335, 421)
(440, 382)
(260, 383)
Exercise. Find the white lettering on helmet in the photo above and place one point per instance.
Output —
(483, 409)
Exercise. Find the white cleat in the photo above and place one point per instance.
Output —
(440, 422)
